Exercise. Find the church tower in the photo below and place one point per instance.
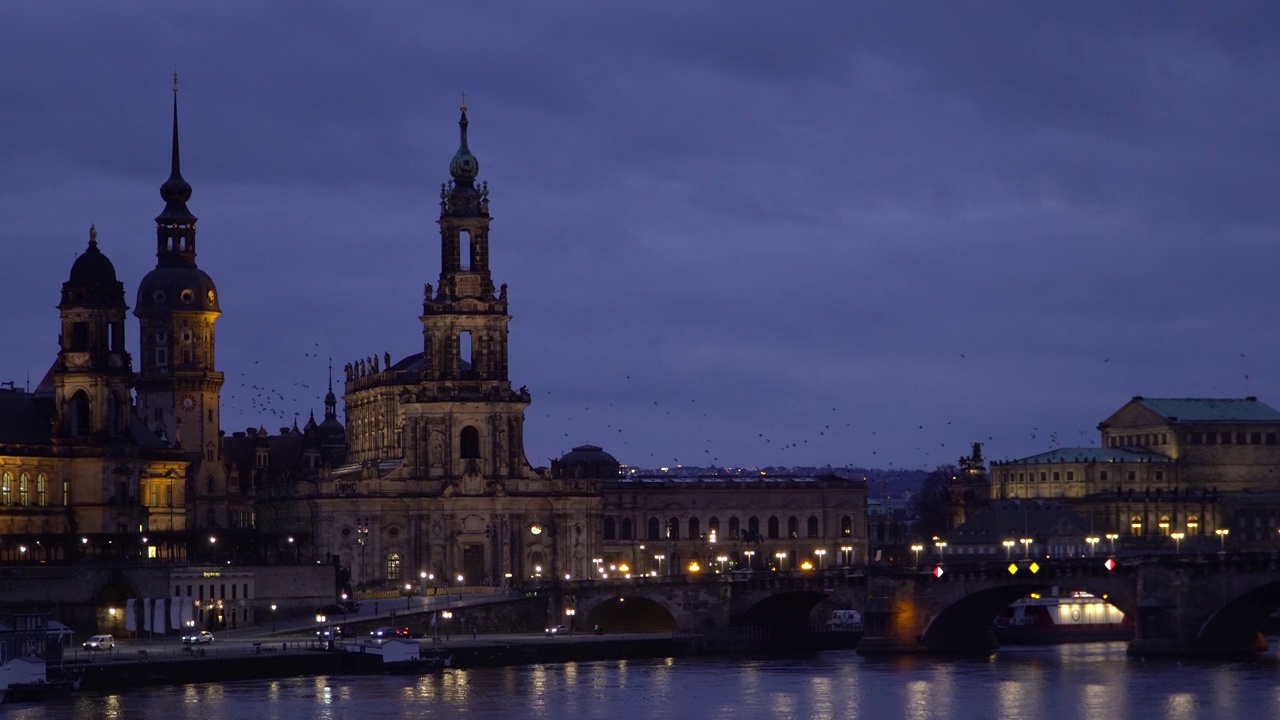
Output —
(93, 372)
(178, 386)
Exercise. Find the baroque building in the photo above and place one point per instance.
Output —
(1207, 468)
(178, 386)
(79, 474)
(436, 484)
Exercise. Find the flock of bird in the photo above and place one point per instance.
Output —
(611, 425)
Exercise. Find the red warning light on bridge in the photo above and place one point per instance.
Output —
(937, 571)
(1110, 564)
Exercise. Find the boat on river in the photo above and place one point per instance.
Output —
(1074, 617)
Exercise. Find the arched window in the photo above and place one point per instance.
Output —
(673, 529)
(1135, 525)
(733, 527)
(610, 529)
(393, 566)
(694, 528)
(793, 527)
(713, 527)
(626, 529)
(79, 414)
(773, 527)
(24, 490)
(6, 489)
(469, 443)
(655, 531)
(846, 526)
(42, 490)
(813, 526)
(753, 528)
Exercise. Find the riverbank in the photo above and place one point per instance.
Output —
(226, 664)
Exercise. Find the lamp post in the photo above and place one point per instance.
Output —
(1222, 537)
(1008, 548)
(569, 613)
(1026, 547)
(942, 548)
(1112, 537)
(846, 555)
(408, 595)
(362, 536)
(916, 549)
(659, 557)
(273, 617)
(750, 554)
(1177, 542)
(822, 555)
(446, 615)
(1093, 544)
(781, 556)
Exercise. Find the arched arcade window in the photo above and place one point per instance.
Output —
(393, 566)
(610, 529)
(813, 526)
(469, 443)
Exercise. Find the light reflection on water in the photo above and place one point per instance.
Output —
(1089, 682)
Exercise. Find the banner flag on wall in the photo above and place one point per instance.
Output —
(158, 624)
(130, 623)
(175, 613)
(146, 613)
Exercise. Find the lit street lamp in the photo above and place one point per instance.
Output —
(916, 549)
(1112, 537)
(1026, 546)
(942, 548)
(846, 555)
(1008, 548)
(659, 558)
(1177, 542)
(1093, 544)
(781, 556)
(750, 554)
(570, 612)
(822, 554)
(1222, 536)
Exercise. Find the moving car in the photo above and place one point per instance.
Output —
(99, 642)
(555, 630)
(200, 638)
(336, 631)
(386, 633)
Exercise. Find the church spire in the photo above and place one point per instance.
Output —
(175, 191)
(464, 167)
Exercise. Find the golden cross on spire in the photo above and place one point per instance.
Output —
(175, 82)
(464, 102)
(93, 233)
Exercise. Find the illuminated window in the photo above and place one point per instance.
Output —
(6, 489)
(846, 526)
(393, 566)
(42, 490)
(24, 496)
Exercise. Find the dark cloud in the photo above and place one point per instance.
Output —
(717, 223)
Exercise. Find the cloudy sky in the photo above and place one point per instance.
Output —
(736, 233)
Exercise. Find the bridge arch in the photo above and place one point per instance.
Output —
(1237, 625)
(628, 613)
(964, 623)
(779, 610)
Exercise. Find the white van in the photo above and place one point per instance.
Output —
(100, 642)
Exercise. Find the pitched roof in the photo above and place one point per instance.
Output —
(1013, 519)
(22, 419)
(1090, 455)
(1210, 409)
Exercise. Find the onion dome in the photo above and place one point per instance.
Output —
(464, 167)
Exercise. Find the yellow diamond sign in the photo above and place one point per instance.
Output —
(1013, 568)
(1034, 568)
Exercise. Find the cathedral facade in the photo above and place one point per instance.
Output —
(436, 488)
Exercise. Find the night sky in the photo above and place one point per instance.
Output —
(744, 233)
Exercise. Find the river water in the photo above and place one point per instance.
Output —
(1093, 681)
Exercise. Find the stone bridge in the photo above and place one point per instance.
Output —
(1179, 604)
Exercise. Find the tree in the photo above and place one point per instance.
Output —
(931, 506)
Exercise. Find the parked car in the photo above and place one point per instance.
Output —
(200, 638)
(386, 633)
(99, 642)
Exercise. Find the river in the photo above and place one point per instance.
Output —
(1093, 681)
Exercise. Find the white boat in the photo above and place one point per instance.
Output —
(1074, 617)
